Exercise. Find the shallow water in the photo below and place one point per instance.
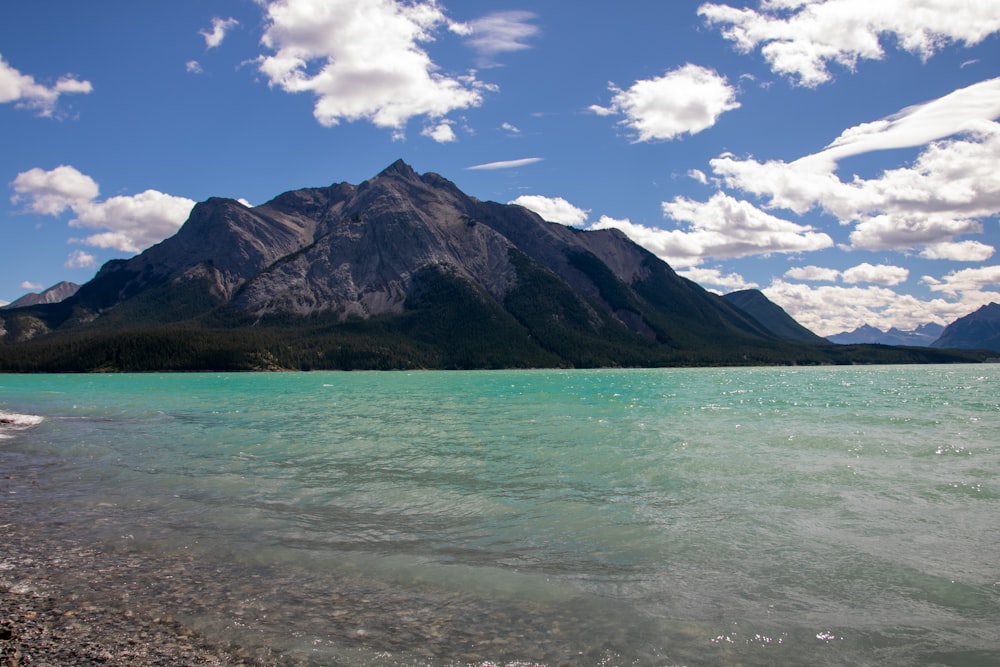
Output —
(831, 516)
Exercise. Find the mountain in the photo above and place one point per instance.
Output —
(401, 271)
(772, 316)
(55, 294)
(924, 335)
(977, 331)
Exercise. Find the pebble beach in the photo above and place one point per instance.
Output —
(68, 606)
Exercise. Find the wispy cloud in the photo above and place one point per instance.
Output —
(220, 27)
(24, 91)
(501, 32)
(506, 164)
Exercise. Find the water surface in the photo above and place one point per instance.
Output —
(826, 516)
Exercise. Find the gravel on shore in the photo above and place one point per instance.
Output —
(48, 618)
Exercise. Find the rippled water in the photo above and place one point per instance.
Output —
(831, 516)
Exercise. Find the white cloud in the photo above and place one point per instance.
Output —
(965, 280)
(813, 273)
(553, 209)
(801, 38)
(363, 60)
(132, 223)
(31, 286)
(959, 251)
(441, 133)
(505, 164)
(952, 185)
(501, 32)
(28, 93)
(959, 111)
(513, 129)
(78, 259)
(698, 175)
(52, 192)
(829, 309)
(193, 67)
(728, 227)
(218, 32)
(722, 227)
(682, 101)
(729, 282)
(129, 223)
(878, 274)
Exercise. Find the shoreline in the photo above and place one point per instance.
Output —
(52, 613)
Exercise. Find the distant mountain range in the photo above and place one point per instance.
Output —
(55, 294)
(403, 271)
(923, 335)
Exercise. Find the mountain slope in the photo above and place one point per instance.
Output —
(772, 316)
(401, 271)
(976, 331)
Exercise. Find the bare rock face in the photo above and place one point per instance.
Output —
(369, 249)
(58, 292)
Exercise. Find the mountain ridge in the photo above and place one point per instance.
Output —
(923, 335)
(400, 271)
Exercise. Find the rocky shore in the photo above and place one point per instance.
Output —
(48, 618)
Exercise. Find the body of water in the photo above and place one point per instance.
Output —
(822, 516)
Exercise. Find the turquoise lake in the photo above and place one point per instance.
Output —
(751, 516)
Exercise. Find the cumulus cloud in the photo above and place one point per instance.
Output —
(714, 278)
(958, 251)
(553, 209)
(441, 133)
(505, 164)
(218, 32)
(801, 38)
(501, 32)
(722, 227)
(944, 194)
(24, 91)
(813, 273)
(830, 309)
(686, 100)
(132, 223)
(78, 259)
(877, 274)
(52, 192)
(363, 60)
(126, 223)
(965, 280)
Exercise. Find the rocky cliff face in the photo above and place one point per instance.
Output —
(372, 241)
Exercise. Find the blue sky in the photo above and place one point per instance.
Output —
(840, 155)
